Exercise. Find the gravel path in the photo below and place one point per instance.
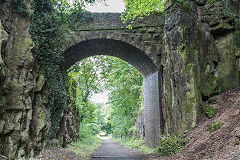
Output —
(110, 150)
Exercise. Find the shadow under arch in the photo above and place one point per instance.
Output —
(142, 62)
(122, 50)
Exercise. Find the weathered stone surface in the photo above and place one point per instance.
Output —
(16, 83)
(40, 83)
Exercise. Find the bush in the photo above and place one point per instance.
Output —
(87, 130)
(171, 145)
(132, 132)
(215, 126)
(209, 111)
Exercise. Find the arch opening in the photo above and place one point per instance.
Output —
(138, 59)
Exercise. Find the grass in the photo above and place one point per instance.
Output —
(135, 143)
(168, 146)
(85, 147)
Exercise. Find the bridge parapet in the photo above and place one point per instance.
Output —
(112, 21)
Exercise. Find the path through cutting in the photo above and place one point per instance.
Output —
(110, 150)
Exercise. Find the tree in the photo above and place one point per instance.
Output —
(139, 8)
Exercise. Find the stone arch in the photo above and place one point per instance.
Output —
(141, 61)
(129, 53)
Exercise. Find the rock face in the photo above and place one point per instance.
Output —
(200, 60)
(193, 48)
(17, 83)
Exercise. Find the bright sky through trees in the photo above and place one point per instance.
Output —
(108, 6)
(100, 97)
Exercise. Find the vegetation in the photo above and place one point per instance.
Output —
(212, 100)
(124, 83)
(209, 111)
(214, 126)
(168, 146)
(85, 147)
(171, 145)
(136, 143)
(140, 8)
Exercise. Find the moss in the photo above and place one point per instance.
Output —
(211, 85)
(209, 111)
(214, 126)
(190, 102)
(210, 2)
(237, 38)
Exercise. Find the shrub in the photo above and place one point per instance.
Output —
(209, 111)
(215, 126)
(171, 145)
(87, 130)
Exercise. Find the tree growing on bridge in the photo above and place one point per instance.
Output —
(140, 8)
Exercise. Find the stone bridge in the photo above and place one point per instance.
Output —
(185, 56)
(105, 34)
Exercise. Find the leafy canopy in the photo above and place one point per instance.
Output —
(139, 8)
(123, 81)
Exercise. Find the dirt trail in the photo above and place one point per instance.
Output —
(111, 150)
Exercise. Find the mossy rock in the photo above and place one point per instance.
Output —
(209, 111)
(215, 126)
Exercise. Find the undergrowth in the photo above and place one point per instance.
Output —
(85, 147)
(171, 145)
(214, 126)
(135, 143)
(209, 111)
(168, 146)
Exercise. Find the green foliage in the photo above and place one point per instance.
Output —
(214, 126)
(20, 7)
(125, 85)
(133, 131)
(85, 147)
(212, 100)
(49, 30)
(231, 10)
(140, 8)
(88, 129)
(48, 37)
(210, 2)
(209, 111)
(184, 4)
(171, 145)
(136, 143)
(98, 73)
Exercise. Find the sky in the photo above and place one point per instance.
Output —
(100, 97)
(109, 6)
